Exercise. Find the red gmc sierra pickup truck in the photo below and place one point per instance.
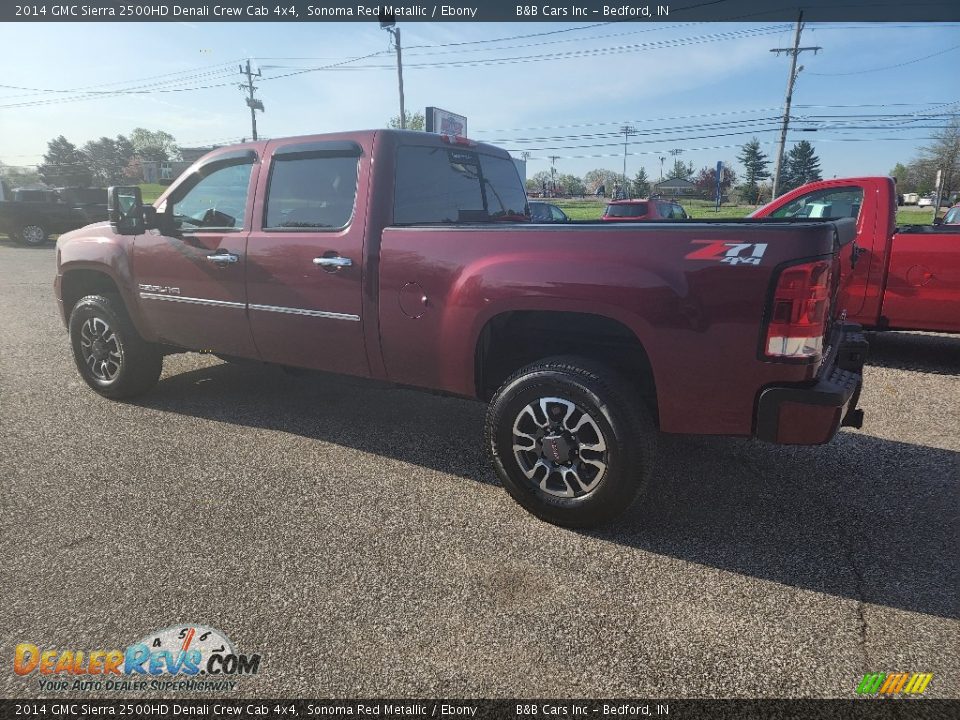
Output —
(904, 278)
(409, 258)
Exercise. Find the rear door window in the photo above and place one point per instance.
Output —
(311, 192)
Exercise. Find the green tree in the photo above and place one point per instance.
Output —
(681, 170)
(641, 184)
(944, 154)
(63, 164)
(154, 145)
(800, 166)
(570, 185)
(595, 178)
(901, 174)
(415, 121)
(17, 177)
(539, 181)
(108, 158)
(755, 164)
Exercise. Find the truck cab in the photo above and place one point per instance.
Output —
(905, 278)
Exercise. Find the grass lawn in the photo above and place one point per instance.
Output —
(908, 215)
(592, 209)
(151, 191)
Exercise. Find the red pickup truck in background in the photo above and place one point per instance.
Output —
(409, 257)
(905, 278)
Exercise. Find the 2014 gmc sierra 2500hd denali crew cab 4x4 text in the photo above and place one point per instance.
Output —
(409, 258)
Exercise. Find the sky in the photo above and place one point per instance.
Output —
(874, 93)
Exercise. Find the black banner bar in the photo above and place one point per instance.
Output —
(576, 11)
(211, 708)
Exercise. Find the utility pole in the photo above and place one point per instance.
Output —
(553, 173)
(794, 72)
(662, 158)
(253, 103)
(675, 153)
(388, 23)
(627, 131)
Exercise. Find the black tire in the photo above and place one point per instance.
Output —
(123, 364)
(618, 416)
(33, 234)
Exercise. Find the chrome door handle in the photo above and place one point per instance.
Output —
(333, 262)
(222, 256)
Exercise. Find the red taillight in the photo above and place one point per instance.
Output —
(799, 311)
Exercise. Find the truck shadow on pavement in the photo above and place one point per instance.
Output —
(921, 352)
(862, 518)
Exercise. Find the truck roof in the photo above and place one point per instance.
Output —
(399, 137)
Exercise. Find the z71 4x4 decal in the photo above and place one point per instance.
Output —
(732, 253)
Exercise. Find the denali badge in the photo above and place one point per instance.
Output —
(162, 289)
(732, 253)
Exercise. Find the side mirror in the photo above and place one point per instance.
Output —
(938, 221)
(125, 209)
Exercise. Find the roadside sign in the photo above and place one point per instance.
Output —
(719, 183)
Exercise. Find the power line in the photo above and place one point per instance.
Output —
(343, 65)
(889, 67)
(192, 73)
(730, 146)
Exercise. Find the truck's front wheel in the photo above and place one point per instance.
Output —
(34, 235)
(570, 440)
(111, 356)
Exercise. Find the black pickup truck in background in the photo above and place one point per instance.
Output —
(32, 216)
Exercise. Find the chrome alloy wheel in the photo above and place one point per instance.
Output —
(100, 349)
(33, 235)
(559, 447)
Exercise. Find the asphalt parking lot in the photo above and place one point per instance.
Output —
(356, 538)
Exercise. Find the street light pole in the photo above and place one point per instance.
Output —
(627, 131)
(388, 23)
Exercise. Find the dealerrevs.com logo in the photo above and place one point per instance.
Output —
(892, 684)
(180, 657)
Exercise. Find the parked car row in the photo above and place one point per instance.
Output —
(32, 216)
(615, 211)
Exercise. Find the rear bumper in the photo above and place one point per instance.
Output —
(811, 413)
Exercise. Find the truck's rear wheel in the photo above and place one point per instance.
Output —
(571, 441)
(111, 356)
(33, 235)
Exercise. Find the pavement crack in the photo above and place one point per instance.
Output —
(845, 530)
(858, 586)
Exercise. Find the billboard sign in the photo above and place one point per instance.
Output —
(445, 122)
